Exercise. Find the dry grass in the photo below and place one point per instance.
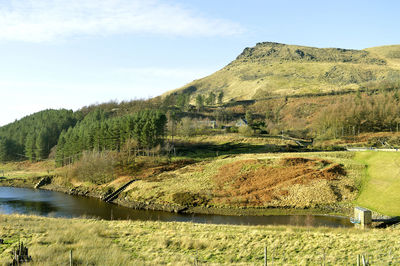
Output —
(363, 140)
(296, 187)
(96, 242)
(235, 138)
(256, 76)
(27, 169)
(262, 183)
(50, 240)
(250, 173)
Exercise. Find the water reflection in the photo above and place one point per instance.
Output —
(56, 204)
(37, 207)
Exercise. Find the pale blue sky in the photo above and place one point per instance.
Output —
(67, 54)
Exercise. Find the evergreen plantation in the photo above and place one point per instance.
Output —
(33, 136)
(97, 131)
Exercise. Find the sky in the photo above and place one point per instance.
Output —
(69, 54)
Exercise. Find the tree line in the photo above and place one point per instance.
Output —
(33, 136)
(359, 114)
(98, 131)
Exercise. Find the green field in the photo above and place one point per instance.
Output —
(96, 242)
(381, 187)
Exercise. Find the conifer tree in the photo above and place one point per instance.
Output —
(41, 149)
(30, 146)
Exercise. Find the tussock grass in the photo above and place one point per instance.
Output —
(199, 179)
(97, 242)
(50, 240)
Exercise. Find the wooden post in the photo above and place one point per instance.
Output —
(70, 257)
(265, 256)
(358, 260)
(273, 253)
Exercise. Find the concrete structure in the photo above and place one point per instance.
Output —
(362, 217)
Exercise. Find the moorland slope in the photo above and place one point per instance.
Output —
(270, 68)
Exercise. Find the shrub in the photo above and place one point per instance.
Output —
(188, 199)
(246, 131)
(95, 167)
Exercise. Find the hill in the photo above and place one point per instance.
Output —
(269, 69)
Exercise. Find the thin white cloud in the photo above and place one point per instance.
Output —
(49, 20)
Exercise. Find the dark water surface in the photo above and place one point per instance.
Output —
(56, 204)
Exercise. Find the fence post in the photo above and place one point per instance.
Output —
(70, 257)
(265, 256)
(273, 253)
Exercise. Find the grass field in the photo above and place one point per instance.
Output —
(96, 242)
(381, 189)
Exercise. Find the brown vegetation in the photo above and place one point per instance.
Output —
(257, 183)
(95, 167)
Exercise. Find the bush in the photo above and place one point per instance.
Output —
(188, 199)
(95, 167)
(186, 127)
(246, 131)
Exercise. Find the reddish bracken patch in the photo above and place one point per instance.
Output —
(252, 182)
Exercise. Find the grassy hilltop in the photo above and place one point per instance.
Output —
(279, 69)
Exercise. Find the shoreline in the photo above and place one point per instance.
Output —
(331, 210)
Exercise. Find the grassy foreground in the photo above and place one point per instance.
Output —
(97, 242)
(381, 189)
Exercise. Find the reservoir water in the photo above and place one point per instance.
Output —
(56, 204)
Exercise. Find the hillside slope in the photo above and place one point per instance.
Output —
(279, 69)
